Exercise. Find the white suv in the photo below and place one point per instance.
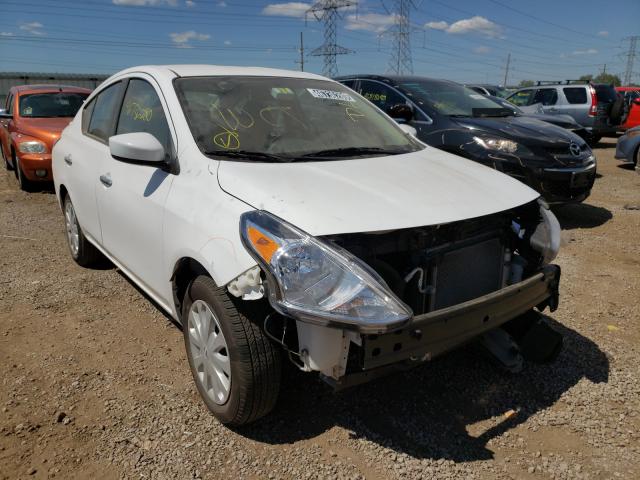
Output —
(275, 212)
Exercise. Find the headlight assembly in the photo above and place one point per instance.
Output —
(546, 237)
(497, 144)
(317, 282)
(32, 146)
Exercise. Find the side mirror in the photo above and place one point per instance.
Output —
(138, 147)
(408, 129)
(401, 111)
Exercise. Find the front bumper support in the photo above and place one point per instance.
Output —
(434, 333)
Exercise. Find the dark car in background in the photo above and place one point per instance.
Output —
(557, 163)
(596, 106)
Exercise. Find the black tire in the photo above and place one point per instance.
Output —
(617, 111)
(7, 165)
(25, 184)
(255, 362)
(636, 157)
(86, 255)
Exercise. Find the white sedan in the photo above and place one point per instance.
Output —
(274, 212)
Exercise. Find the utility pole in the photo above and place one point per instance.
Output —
(628, 73)
(327, 12)
(401, 62)
(506, 70)
(301, 61)
(604, 69)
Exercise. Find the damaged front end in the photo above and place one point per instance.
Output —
(356, 306)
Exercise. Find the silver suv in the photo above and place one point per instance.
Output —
(597, 107)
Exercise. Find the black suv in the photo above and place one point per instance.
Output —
(555, 162)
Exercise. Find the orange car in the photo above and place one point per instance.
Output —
(31, 123)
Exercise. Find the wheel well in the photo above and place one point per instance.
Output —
(63, 193)
(185, 272)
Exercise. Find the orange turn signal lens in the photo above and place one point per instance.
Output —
(263, 244)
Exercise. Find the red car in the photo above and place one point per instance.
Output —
(30, 124)
(632, 99)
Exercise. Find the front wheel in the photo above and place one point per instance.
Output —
(26, 185)
(82, 251)
(235, 366)
(7, 165)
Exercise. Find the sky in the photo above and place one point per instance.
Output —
(461, 40)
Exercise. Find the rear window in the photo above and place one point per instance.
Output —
(575, 94)
(606, 93)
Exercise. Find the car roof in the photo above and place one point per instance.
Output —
(172, 71)
(43, 88)
(393, 78)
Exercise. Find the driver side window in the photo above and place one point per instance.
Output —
(380, 95)
(521, 98)
(142, 112)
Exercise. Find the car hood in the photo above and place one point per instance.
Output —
(526, 130)
(47, 130)
(564, 121)
(422, 188)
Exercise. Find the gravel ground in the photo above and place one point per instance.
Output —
(94, 382)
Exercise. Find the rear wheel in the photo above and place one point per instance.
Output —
(235, 366)
(82, 251)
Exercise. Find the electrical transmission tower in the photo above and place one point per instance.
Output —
(401, 62)
(327, 12)
(630, 59)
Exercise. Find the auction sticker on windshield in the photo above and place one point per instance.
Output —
(330, 95)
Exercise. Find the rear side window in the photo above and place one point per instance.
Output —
(575, 95)
(104, 110)
(349, 83)
(521, 98)
(546, 96)
(142, 112)
(10, 104)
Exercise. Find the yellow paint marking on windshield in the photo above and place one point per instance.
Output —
(227, 139)
(267, 111)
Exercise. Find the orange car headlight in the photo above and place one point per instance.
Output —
(32, 146)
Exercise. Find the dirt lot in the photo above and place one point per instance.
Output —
(95, 383)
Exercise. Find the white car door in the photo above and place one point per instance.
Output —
(83, 153)
(131, 196)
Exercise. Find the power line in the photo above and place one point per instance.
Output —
(326, 11)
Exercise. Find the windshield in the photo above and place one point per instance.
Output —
(452, 99)
(58, 104)
(285, 118)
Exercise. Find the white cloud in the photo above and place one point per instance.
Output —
(603, 33)
(290, 9)
(190, 3)
(372, 22)
(181, 40)
(437, 25)
(221, 4)
(227, 42)
(481, 49)
(144, 3)
(6, 34)
(34, 28)
(589, 51)
(477, 24)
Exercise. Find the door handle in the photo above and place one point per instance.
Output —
(67, 159)
(106, 179)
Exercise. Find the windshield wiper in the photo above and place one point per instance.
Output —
(269, 157)
(352, 151)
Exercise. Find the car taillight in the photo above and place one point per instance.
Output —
(593, 111)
